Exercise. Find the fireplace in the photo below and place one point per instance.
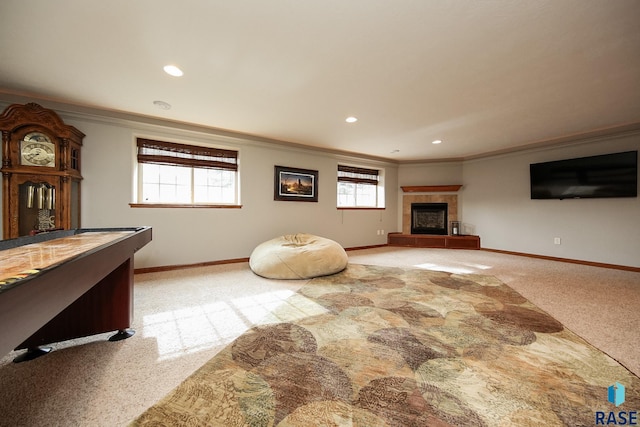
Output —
(429, 218)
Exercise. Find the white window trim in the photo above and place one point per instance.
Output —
(138, 178)
(380, 188)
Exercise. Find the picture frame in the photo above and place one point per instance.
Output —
(295, 184)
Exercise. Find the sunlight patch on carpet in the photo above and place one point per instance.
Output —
(453, 269)
(201, 327)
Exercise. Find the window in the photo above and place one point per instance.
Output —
(170, 173)
(359, 187)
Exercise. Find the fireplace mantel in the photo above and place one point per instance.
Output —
(430, 188)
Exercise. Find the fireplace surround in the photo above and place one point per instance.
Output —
(406, 238)
(408, 199)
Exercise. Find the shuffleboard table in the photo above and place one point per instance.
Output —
(67, 284)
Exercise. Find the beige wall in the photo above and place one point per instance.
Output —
(497, 201)
(189, 236)
(494, 201)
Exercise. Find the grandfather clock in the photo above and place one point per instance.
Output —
(40, 171)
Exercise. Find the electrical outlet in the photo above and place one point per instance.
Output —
(557, 241)
(382, 232)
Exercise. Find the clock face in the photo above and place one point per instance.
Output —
(36, 149)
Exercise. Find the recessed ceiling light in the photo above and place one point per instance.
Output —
(161, 104)
(351, 119)
(437, 141)
(173, 70)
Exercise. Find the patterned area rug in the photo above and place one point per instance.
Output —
(379, 346)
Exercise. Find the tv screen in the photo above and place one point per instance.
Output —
(609, 175)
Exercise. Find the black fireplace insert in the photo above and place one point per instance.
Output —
(429, 218)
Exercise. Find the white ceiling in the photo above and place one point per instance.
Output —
(481, 75)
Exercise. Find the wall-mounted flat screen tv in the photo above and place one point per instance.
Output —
(608, 175)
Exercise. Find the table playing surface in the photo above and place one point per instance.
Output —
(21, 262)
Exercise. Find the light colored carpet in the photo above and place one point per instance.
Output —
(183, 318)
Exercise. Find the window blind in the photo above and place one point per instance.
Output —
(357, 175)
(172, 154)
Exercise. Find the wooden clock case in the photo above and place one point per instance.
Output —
(38, 197)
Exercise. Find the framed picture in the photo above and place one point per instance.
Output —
(297, 185)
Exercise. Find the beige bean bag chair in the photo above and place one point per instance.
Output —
(297, 256)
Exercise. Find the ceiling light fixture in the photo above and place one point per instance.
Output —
(172, 70)
(163, 105)
(351, 119)
(437, 141)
